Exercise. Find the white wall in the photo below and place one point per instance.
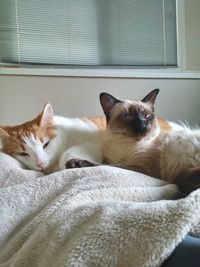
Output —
(22, 98)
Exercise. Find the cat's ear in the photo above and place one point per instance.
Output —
(46, 116)
(151, 97)
(107, 102)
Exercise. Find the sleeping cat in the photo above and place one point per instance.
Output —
(51, 143)
(136, 139)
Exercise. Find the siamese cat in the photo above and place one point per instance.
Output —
(135, 138)
(50, 143)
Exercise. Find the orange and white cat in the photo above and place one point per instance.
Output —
(51, 143)
(136, 139)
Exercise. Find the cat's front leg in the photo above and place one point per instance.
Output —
(79, 163)
(83, 155)
(188, 180)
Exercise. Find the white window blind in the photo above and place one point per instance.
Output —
(88, 32)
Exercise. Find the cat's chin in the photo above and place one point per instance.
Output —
(45, 169)
(35, 168)
(46, 166)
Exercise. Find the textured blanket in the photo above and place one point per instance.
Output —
(97, 216)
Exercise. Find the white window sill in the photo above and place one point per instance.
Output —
(159, 73)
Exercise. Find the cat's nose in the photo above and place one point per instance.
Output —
(40, 164)
(139, 126)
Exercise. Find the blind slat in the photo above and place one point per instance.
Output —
(88, 32)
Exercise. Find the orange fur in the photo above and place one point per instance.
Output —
(13, 142)
(100, 122)
(164, 125)
(31, 143)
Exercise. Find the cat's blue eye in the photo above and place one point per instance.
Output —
(46, 144)
(23, 154)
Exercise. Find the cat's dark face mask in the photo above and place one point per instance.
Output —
(141, 122)
(136, 121)
(130, 118)
(139, 125)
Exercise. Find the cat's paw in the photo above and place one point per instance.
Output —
(79, 163)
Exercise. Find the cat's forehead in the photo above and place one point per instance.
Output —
(31, 131)
(21, 137)
(16, 139)
(22, 131)
(130, 106)
(32, 139)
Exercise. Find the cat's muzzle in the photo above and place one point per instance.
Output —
(139, 126)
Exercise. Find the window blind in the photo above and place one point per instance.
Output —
(88, 32)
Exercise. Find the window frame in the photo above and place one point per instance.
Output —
(118, 71)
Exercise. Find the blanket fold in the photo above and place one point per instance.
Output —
(96, 216)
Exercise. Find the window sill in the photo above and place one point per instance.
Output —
(159, 73)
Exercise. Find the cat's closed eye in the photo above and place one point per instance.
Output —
(23, 154)
(46, 144)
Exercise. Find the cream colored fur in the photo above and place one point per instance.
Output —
(178, 151)
(136, 139)
(159, 154)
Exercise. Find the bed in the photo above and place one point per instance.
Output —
(95, 216)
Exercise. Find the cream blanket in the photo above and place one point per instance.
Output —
(101, 216)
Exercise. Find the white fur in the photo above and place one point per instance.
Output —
(76, 138)
(34, 147)
(87, 151)
(176, 126)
